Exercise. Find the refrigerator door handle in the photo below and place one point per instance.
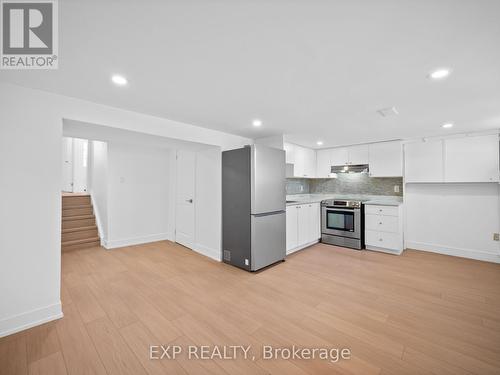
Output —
(269, 213)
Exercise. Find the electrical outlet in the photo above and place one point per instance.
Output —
(246, 262)
(496, 236)
(396, 188)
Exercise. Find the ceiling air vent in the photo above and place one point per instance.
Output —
(388, 112)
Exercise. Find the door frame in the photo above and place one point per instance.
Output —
(175, 199)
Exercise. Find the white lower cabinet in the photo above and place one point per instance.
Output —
(384, 228)
(302, 226)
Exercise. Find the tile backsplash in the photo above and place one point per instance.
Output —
(345, 183)
(297, 186)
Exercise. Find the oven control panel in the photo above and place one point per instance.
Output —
(341, 203)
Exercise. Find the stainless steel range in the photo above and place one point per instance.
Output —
(342, 223)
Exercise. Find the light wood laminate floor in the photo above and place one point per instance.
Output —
(419, 313)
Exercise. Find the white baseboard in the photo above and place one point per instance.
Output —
(112, 244)
(30, 319)
(215, 254)
(454, 251)
(382, 250)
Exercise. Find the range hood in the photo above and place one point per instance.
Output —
(350, 168)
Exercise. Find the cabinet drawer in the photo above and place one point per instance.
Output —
(382, 223)
(383, 239)
(382, 210)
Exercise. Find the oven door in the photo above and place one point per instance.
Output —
(345, 222)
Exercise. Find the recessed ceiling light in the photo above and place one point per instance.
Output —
(319, 143)
(440, 73)
(257, 123)
(119, 80)
(447, 125)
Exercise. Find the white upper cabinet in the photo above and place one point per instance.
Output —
(349, 155)
(289, 153)
(323, 163)
(424, 161)
(339, 156)
(358, 154)
(386, 159)
(309, 163)
(471, 159)
(303, 160)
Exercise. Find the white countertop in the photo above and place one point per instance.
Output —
(384, 200)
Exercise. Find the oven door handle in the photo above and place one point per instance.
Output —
(340, 209)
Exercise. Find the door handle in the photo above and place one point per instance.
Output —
(189, 200)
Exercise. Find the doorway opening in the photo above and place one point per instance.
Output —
(75, 160)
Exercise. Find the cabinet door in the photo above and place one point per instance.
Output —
(314, 221)
(291, 228)
(339, 156)
(289, 153)
(358, 154)
(303, 224)
(471, 159)
(386, 159)
(299, 161)
(424, 161)
(323, 163)
(309, 163)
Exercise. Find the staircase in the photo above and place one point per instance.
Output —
(79, 230)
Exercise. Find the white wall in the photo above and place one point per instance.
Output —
(208, 198)
(30, 218)
(98, 181)
(454, 219)
(275, 141)
(30, 209)
(138, 194)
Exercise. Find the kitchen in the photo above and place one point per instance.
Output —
(354, 196)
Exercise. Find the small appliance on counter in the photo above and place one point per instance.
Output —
(253, 207)
(342, 223)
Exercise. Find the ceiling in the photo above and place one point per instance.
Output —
(313, 70)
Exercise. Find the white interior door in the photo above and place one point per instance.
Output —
(67, 164)
(185, 199)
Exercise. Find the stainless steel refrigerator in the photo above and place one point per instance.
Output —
(253, 207)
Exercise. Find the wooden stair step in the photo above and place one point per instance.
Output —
(79, 235)
(83, 245)
(77, 217)
(78, 229)
(71, 222)
(77, 211)
(77, 242)
(75, 200)
(77, 206)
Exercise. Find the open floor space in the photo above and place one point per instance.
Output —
(417, 313)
